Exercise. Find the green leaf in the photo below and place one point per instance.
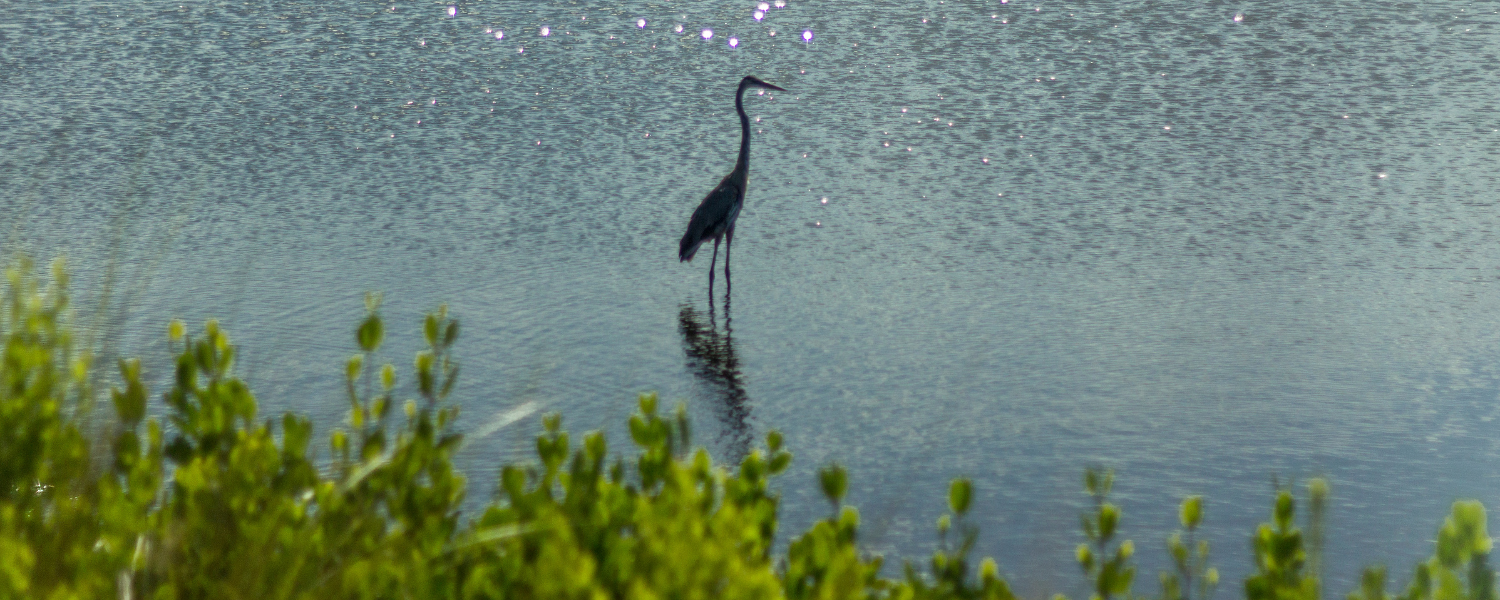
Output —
(834, 481)
(960, 494)
(450, 334)
(1109, 517)
(370, 333)
(773, 441)
(1192, 511)
(352, 368)
(387, 376)
(779, 462)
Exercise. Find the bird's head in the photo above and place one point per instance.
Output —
(750, 81)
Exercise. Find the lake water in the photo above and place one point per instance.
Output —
(1210, 244)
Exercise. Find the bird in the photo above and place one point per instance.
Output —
(715, 216)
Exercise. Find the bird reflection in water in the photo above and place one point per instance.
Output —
(712, 359)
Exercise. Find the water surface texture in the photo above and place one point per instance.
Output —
(1209, 244)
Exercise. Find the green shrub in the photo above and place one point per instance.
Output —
(101, 503)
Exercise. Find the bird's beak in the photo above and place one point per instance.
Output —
(769, 86)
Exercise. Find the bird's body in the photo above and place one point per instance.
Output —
(715, 216)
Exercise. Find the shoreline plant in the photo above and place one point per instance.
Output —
(199, 497)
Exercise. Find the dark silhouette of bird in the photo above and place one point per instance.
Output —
(715, 216)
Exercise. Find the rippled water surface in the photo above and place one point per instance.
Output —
(1209, 244)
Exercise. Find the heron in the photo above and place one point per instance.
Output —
(715, 216)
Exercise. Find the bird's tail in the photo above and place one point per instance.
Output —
(688, 247)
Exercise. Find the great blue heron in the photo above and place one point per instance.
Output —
(715, 216)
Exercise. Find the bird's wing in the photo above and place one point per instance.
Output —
(711, 218)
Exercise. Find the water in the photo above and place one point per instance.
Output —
(1210, 245)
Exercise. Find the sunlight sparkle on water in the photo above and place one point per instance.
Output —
(452, 10)
(707, 33)
(499, 35)
(807, 35)
(734, 42)
(677, 29)
(546, 31)
(640, 23)
(758, 15)
(1239, 17)
(824, 200)
(780, 3)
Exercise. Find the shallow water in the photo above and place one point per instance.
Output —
(1208, 245)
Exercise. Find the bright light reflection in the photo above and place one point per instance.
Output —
(677, 29)
(734, 42)
(759, 14)
(806, 35)
(825, 200)
(452, 10)
(763, 6)
(499, 35)
(780, 3)
(640, 23)
(707, 33)
(546, 31)
(1239, 17)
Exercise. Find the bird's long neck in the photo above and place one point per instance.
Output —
(739, 106)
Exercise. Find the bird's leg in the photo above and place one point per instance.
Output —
(728, 245)
(713, 262)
